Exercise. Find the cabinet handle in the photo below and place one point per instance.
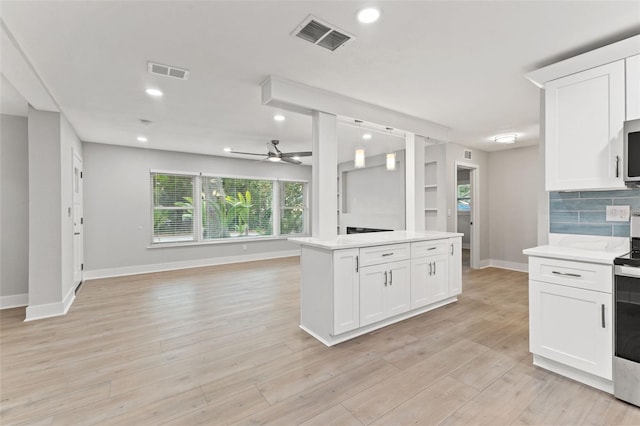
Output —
(602, 310)
(357, 263)
(385, 278)
(387, 254)
(451, 249)
(617, 166)
(431, 248)
(430, 268)
(390, 277)
(566, 274)
(434, 268)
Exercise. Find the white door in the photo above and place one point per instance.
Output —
(78, 220)
(572, 326)
(398, 297)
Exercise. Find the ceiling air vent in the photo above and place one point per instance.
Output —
(467, 154)
(167, 71)
(322, 33)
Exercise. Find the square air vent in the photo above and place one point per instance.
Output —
(321, 33)
(167, 71)
(467, 154)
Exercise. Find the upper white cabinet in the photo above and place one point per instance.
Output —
(584, 115)
(633, 87)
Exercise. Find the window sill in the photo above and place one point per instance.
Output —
(234, 240)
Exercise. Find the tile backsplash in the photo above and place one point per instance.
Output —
(584, 212)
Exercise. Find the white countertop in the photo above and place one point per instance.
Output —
(582, 248)
(373, 239)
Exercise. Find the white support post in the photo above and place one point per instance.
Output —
(410, 182)
(324, 218)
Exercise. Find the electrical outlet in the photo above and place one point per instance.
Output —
(618, 213)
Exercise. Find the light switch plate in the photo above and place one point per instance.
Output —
(618, 213)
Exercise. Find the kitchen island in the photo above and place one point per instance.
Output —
(357, 283)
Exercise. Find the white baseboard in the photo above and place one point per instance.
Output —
(504, 264)
(466, 246)
(48, 310)
(172, 266)
(14, 301)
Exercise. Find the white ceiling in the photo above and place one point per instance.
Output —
(459, 64)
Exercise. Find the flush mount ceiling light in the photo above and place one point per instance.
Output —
(509, 138)
(391, 161)
(274, 159)
(227, 149)
(368, 15)
(366, 136)
(142, 139)
(279, 117)
(154, 92)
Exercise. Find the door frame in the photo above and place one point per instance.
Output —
(474, 234)
(77, 243)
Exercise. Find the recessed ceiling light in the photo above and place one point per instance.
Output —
(142, 139)
(366, 136)
(154, 92)
(279, 117)
(368, 15)
(227, 149)
(510, 138)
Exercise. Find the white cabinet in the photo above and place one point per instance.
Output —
(584, 114)
(384, 291)
(633, 87)
(572, 326)
(455, 266)
(429, 273)
(346, 291)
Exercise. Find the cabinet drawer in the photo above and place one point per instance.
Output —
(429, 248)
(383, 254)
(589, 276)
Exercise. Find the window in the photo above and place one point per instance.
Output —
(227, 208)
(172, 207)
(464, 197)
(292, 209)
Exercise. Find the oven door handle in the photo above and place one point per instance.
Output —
(627, 271)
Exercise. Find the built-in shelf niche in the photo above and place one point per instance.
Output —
(434, 186)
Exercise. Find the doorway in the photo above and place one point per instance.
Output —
(78, 220)
(466, 214)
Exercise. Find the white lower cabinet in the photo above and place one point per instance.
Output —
(455, 266)
(346, 291)
(429, 280)
(384, 291)
(572, 326)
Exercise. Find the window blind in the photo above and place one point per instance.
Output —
(173, 210)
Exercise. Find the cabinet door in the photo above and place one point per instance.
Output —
(633, 87)
(373, 282)
(420, 281)
(398, 297)
(584, 114)
(438, 281)
(572, 326)
(455, 266)
(346, 291)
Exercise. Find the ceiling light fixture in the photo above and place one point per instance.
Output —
(366, 136)
(391, 161)
(154, 92)
(274, 159)
(368, 15)
(227, 149)
(279, 117)
(358, 159)
(142, 139)
(509, 138)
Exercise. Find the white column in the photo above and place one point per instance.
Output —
(324, 218)
(410, 182)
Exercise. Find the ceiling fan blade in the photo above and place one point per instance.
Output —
(290, 160)
(297, 154)
(245, 153)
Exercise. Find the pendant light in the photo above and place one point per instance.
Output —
(391, 156)
(359, 158)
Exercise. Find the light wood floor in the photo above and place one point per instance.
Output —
(221, 345)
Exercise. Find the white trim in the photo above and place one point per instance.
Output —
(573, 373)
(48, 310)
(481, 264)
(512, 266)
(185, 264)
(14, 301)
(466, 246)
(604, 55)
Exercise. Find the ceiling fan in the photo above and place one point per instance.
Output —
(274, 153)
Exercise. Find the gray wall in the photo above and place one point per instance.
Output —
(513, 206)
(117, 205)
(14, 199)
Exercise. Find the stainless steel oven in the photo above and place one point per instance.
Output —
(626, 293)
